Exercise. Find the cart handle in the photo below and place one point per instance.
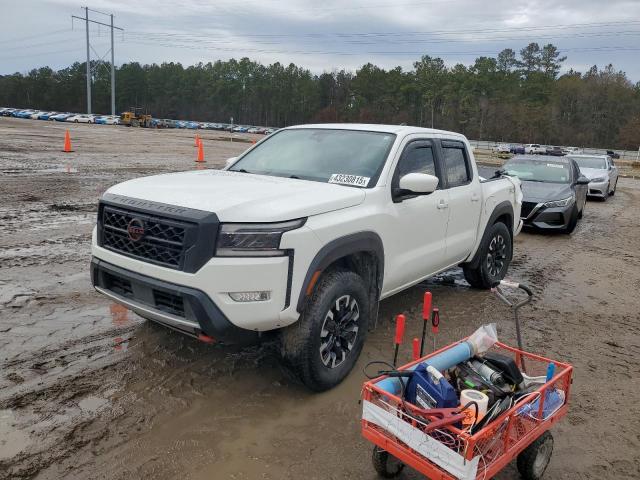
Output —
(513, 285)
(521, 286)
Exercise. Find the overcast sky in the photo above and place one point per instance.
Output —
(322, 36)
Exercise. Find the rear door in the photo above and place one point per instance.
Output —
(465, 199)
(417, 225)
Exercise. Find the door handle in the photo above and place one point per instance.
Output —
(475, 197)
(442, 205)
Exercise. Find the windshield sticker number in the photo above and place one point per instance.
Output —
(555, 165)
(344, 179)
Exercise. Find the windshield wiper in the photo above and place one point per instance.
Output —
(294, 176)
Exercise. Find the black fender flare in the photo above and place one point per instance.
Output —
(360, 242)
(503, 208)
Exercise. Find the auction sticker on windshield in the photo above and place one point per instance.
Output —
(344, 179)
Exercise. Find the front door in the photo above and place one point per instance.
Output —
(417, 225)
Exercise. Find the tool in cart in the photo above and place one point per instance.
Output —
(514, 306)
(435, 325)
(400, 320)
(426, 315)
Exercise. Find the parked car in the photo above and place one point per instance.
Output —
(555, 151)
(61, 117)
(23, 113)
(516, 149)
(613, 154)
(46, 115)
(253, 130)
(6, 112)
(601, 172)
(554, 190)
(572, 150)
(302, 235)
(269, 131)
(81, 118)
(535, 149)
(36, 114)
(500, 148)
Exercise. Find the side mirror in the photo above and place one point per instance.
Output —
(417, 184)
(230, 161)
(582, 180)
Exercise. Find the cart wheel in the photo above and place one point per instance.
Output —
(386, 464)
(534, 460)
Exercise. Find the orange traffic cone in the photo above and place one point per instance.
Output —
(67, 142)
(200, 152)
(197, 140)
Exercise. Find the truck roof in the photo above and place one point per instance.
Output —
(372, 127)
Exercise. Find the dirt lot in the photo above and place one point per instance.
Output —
(88, 390)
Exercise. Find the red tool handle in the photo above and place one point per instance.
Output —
(426, 306)
(399, 329)
(435, 320)
(416, 349)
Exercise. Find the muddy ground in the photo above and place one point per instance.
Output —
(89, 390)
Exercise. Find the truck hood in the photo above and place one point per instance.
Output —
(592, 173)
(242, 197)
(545, 192)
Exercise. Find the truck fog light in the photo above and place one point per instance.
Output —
(261, 296)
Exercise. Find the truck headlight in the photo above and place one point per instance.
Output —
(560, 203)
(253, 239)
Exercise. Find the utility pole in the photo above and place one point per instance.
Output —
(87, 20)
(113, 74)
(86, 16)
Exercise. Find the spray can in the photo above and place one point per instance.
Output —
(489, 374)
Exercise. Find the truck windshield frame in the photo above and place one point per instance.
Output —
(347, 157)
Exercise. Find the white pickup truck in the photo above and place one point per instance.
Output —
(302, 236)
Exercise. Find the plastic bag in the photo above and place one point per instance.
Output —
(483, 338)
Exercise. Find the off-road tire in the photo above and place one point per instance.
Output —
(481, 276)
(533, 460)
(573, 221)
(301, 342)
(385, 464)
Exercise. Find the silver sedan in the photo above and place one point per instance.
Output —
(601, 172)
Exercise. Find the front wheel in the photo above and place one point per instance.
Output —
(324, 344)
(495, 254)
(613, 192)
(573, 221)
(534, 460)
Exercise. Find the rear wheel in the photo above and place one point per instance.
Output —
(385, 464)
(534, 460)
(494, 258)
(324, 344)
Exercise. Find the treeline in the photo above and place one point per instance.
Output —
(512, 97)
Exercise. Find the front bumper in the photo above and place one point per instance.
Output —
(598, 189)
(544, 218)
(182, 308)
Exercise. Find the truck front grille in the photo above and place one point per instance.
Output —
(162, 240)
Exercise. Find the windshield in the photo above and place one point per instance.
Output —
(537, 171)
(591, 162)
(348, 157)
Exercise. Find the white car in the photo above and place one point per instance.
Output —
(301, 236)
(81, 118)
(112, 120)
(601, 172)
(501, 148)
(535, 149)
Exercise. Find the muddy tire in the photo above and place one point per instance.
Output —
(534, 460)
(385, 464)
(324, 344)
(573, 221)
(495, 256)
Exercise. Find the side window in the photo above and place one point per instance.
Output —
(416, 158)
(456, 163)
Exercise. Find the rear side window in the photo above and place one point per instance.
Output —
(456, 163)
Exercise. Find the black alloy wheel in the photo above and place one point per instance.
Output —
(339, 331)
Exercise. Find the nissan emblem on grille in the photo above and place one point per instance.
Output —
(135, 229)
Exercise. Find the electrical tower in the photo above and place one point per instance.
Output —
(87, 20)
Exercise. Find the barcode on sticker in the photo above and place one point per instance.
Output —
(344, 179)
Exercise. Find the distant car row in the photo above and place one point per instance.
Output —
(115, 120)
(535, 149)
